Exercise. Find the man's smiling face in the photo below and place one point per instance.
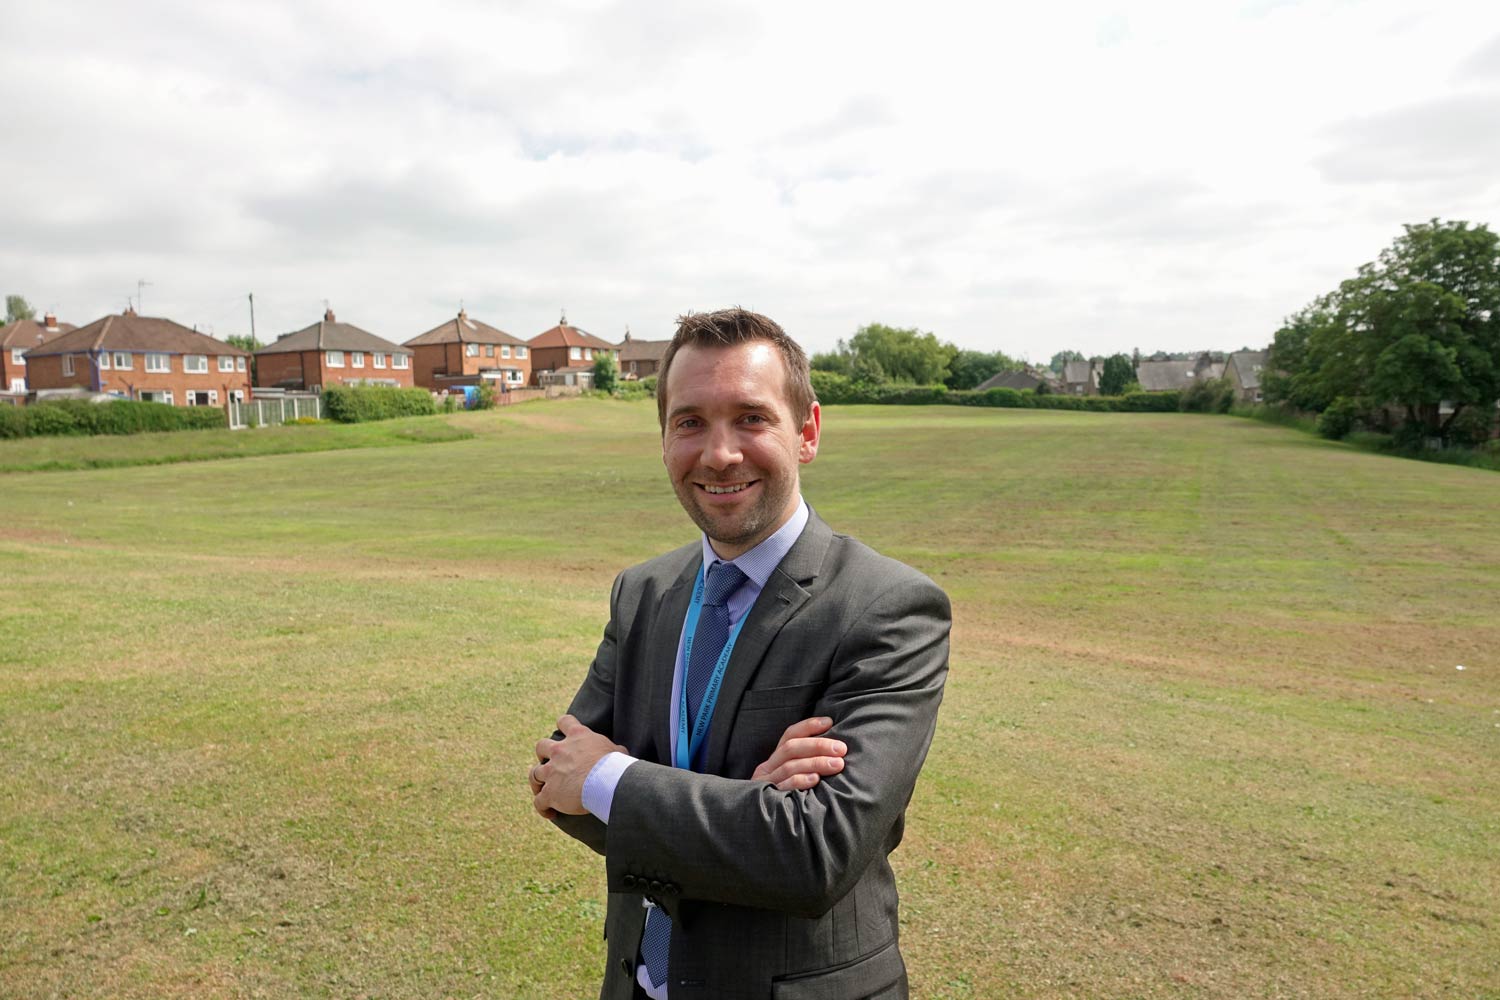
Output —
(731, 443)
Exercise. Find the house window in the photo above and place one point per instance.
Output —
(238, 395)
(357, 359)
(489, 350)
(67, 364)
(521, 351)
(239, 364)
(402, 360)
(379, 360)
(471, 350)
(104, 361)
(122, 361)
(226, 363)
(574, 353)
(17, 355)
(158, 363)
(632, 367)
(195, 364)
(505, 350)
(514, 377)
(588, 354)
(157, 396)
(335, 359)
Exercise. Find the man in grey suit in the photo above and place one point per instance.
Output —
(747, 738)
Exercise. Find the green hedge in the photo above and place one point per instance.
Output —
(833, 389)
(358, 404)
(121, 416)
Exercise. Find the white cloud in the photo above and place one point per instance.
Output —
(1096, 176)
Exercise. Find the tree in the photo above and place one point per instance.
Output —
(969, 368)
(1418, 326)
(1061, 358)
(16, 307)
(1117, 374)
(901, 355)
(606, 372)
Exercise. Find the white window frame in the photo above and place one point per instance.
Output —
(158, 364)
(238, 395)
(575, 354)
(521, 351)
(18, 355)
(195, 364)
(356, 359)
(401, 361)
(67, 364)
(213, 397)
(333, 359)
(226, 362)
(379, 359)
(239, 363)
(505, 350)
(471, 350)
(123, 361)
(104, 361)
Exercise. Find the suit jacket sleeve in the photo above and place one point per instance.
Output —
(593, 705)
(732, 840)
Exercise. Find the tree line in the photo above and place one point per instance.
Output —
(1414, 329)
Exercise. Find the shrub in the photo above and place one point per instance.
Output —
(1213, 395)
(1472, 427)
(123, 416)
(485, 398)
(1338, 420)
(13, 422)
(355, 404)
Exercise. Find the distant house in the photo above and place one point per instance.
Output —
(19, 337)
(463, 350)
(332, 353)
(1081, 378)
(1164, 376)
(1019, 381)
(640, 358)
(1243, 371)
(142, 357)
(566, 353)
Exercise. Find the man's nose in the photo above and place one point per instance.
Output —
(722, 449)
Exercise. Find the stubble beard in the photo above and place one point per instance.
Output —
(746, 526)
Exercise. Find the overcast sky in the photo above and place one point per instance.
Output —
(1094, 176)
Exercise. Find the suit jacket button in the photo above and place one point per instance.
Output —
(629, 881)
(656, 887)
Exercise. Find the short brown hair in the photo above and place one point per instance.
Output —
(736, 326)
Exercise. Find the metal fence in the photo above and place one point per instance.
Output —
(270, 412)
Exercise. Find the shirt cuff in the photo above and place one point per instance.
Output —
(599, 786)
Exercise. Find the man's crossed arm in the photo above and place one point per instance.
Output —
(801, 759)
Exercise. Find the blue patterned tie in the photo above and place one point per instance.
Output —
(708, 644)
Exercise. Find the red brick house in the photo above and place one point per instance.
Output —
(330, 353)
(142, 357)
(19, 337)
(640, 358)
(566, 351)
(463, 350)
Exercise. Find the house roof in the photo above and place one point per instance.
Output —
(643, 350)
(328, 334)
(1011, 380)
(1247, 366)
(464, 329)
(1080, 372)
(129, 332)
(1158, 376)
(563, 335)
(28, 333)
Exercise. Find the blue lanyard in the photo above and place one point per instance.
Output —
(688, 747)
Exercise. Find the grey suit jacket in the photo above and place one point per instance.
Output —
(773, 894)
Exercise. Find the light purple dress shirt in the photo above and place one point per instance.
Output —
(757, 565)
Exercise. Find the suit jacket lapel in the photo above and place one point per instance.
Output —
(661, 658)
(784, 593)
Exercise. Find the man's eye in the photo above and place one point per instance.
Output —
(754, 418)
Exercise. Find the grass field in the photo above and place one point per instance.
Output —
(264, 723)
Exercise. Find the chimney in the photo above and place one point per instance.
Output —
(462, 314)
(627, 335)
(129, 311)
(564, 320)
(50, 322)
(328, 315)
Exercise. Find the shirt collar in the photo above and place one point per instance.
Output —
(758, 563)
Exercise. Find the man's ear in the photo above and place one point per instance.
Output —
(807, 448)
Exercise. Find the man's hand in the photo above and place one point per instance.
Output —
(557, 779)
(801, 759)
